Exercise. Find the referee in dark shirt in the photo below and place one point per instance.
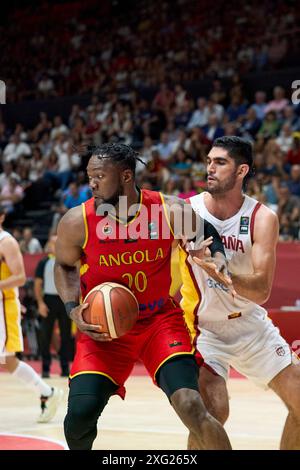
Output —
(50, 308)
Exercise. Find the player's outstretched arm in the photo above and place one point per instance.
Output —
(257, 286)
(189, 226)
(70, 239)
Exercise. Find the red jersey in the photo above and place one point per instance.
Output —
(136, 254)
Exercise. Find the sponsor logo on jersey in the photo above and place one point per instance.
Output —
(155, 304)
(234, 315)
(244, 225)
(175, 343)
(280, 351)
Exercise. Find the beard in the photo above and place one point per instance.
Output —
(114, 199)
(224, 186)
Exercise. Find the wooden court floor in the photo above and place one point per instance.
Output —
(145, 420)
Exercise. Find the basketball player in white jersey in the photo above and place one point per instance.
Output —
(12, 276)
(235, 330)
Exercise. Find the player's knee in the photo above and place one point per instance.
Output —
(294, 405)
(11, 363)
(82, 416)
(219, 410)
(188, 403)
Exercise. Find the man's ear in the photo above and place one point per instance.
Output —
(127, 176)
(243, 170)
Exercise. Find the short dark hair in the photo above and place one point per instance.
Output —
(2, 210)
(120, 154)
(239, 149)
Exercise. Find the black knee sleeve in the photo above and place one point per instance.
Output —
(89, 393)
(178, 372)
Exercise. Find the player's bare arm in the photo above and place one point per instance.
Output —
(206, 237)
(38, 293)
(70, 239)
(257, 285)
(10, 251)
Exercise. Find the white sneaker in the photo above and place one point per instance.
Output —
(49, 405)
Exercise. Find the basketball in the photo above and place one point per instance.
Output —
(113, 306)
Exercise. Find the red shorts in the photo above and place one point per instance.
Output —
(152, 340)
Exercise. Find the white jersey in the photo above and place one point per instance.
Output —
(4, 234)
(216, 302)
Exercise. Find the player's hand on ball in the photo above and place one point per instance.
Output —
(94, 331)
(216, 268)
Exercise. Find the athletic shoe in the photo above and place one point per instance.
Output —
(49, 405)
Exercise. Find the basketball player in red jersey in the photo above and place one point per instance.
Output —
(160, 337)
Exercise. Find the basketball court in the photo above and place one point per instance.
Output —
(145, 420)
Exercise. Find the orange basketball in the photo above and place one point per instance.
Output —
(113, 306)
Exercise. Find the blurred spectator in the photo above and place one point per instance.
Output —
(260, 104)
(187, 188)
(11, 194)
(214, 108)
(29, 244)
(287, 232)
(212, 130)
(236, 109)
(279, 102)
(17, 233)
(170, 187)
(293, 155)
(293, 182)
(291, 118)
(181, 95)
(165, 148)
(36, 165)
(183, 116)
(7, 173)
(156, 171)
(218, 93)
(270, 126)
(164, 98)
(289, 207)
(58, 128)
(199, 117)
(44, 126)
(285, 138)
(75, 196)
(16, 149)
(145, 156)
(181, 164)
(250, 124)
(46, 86)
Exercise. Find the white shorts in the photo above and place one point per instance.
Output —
(250, 344)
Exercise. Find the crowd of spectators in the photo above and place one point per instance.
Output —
(64, 48)
(172, 134)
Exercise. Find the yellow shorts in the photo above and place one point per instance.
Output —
(11, 338)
